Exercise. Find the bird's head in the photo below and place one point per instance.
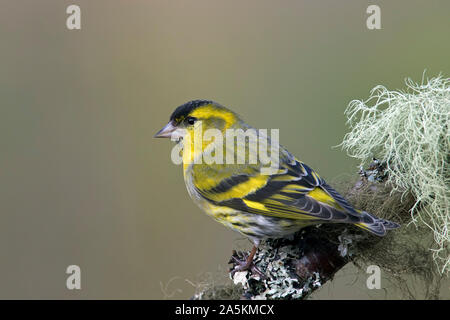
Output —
(198, 116)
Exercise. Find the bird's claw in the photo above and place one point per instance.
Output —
(240, 263)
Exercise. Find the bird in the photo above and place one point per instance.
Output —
(244, 197)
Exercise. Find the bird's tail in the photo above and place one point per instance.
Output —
(375, 225)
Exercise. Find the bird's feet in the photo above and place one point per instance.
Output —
(243, 262)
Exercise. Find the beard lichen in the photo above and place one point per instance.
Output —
(409, 131)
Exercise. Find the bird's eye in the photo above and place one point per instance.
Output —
(191, 120)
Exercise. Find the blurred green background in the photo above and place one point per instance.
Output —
(83, 182)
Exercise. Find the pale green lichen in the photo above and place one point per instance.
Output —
(281, 282)
(410, 132)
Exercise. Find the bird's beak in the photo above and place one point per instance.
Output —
(167, 131)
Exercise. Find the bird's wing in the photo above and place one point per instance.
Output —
(295, 192)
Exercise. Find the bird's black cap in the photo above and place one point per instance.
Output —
(183, 110)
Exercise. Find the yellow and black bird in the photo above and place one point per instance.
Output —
(244, 198)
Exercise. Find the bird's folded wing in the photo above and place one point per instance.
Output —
(294, 192)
